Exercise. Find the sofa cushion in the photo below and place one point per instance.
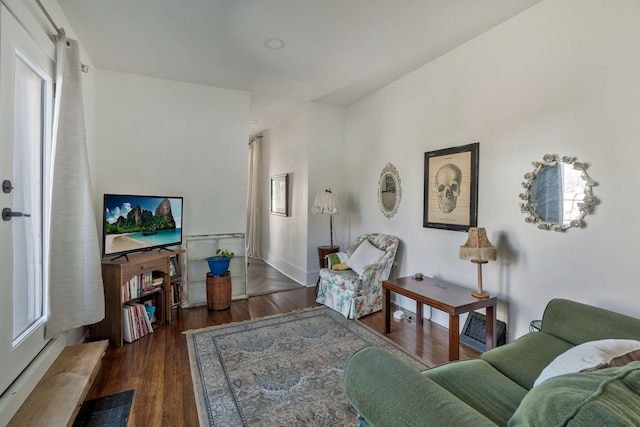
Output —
(480, 386)
(389, 392)
(571, 321)
(366, 254)
(522, 360)
(608, 397)
(590, 356)
(345, 280)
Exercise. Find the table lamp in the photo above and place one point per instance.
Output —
(479, 250)
(326, 203)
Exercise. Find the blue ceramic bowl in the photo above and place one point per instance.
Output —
(218, 265)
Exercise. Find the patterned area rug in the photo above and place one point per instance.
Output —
(284, 370)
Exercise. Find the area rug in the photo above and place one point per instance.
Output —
(285, 370)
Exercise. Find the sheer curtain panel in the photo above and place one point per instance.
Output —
(254, 199)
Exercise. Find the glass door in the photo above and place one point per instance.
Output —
(26, 101)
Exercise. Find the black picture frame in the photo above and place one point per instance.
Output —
(451, 188)
(280, 194)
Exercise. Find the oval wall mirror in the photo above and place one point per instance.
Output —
(558, 193)
(389, 191)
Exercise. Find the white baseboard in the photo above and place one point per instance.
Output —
(292, 272)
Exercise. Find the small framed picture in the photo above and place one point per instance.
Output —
(280, 194)
(174, 269)
(451, 188)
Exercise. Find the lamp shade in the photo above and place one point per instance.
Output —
(478, 246)
(325, 203)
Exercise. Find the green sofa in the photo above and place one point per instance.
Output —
(498, 389)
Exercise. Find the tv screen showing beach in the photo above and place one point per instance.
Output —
(137, 223)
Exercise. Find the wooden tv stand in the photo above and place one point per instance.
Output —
(116, 273)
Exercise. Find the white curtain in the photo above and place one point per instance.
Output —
(76, 296)
(254, 199)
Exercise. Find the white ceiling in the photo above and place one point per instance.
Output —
(337, 51)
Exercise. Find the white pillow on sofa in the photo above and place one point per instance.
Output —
(366, 254)
(590, 356)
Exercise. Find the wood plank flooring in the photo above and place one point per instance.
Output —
(157, 366)
(264, 279)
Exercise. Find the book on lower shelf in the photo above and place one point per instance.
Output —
(136, 321)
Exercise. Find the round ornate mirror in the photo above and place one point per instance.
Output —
(558, 193)
(389, 191)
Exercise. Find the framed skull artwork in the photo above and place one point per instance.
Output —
(451, 188)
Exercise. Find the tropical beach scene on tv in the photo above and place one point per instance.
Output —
(133, 223)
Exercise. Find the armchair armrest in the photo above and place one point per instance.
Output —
(371, 276)
(388, 392)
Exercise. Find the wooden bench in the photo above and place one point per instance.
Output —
(57, 398)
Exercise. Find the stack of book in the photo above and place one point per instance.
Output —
(137, 320)
(140, 284)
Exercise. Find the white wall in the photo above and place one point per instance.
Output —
(308, 145)
(160, 137)
(285, 150)
(559, 78)
(326, 170)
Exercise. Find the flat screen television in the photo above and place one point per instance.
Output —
(139, 223)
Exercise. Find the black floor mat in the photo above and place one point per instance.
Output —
(111, 411)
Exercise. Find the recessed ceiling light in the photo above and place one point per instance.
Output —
(275, 44)
(253, 121)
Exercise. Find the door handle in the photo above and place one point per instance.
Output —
(7, 214)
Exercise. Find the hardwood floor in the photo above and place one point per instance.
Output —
(264, 279)
(157, 366)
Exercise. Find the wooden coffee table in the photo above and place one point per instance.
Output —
(444, 296)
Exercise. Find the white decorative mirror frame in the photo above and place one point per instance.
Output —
(558, 193)
(389, 191)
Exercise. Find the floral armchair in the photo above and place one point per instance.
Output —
(356, 295)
